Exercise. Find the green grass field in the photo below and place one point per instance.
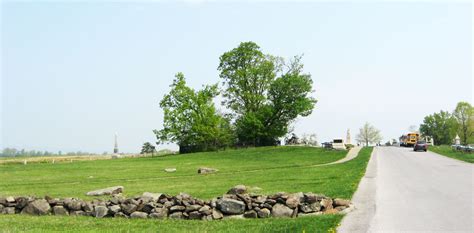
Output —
(447, 151)
(271, 169)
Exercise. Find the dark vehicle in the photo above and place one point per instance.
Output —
(420, 145)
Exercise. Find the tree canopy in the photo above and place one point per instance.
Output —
(441, 126)
(191, 119)
(464, 116)
(265, 93)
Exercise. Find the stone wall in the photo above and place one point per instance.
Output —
(235, 204)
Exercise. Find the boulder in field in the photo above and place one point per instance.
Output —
(176, 215)
(281, 211)
(169, 170)
(230, 206)
(114, 209)
(263, 213)
(310, 208)
(10, 199)
(238, 189)
(159, 213)
(37, 207)
(216, 214)
(106, 191)
(327, 203)
(8, 210)
(60, 210)
(207, 170)
(138, 214)
(100, 211)
(250, 214)
(341, 202)
(153, 196)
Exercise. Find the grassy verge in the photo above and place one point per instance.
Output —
(286, 169)
(448, 152)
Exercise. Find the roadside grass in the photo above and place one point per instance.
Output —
(288, 169)
(22, 223)
(448, 152)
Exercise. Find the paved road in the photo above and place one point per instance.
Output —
(406, 191)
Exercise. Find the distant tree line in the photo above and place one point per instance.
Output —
(262, 94)
(443, 126)
(12, 152)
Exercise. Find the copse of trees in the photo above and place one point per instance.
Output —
(264, 94)
(443, 126)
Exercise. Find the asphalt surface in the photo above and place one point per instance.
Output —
(407, 191)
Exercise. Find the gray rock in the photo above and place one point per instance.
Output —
(341, 202)
(216, 214)
(177, 208)
(21, 202)
(327, 203)
(1, 208)
(176, 215)
(160, 213)
(310, 208)
(191, 208)
(78, 213)
(106, 191)
(206, 210)
(170, 169)
(207, 170)
(60, 210)
(281, 211)
(250, 214)
(74, 205)
(114, 209)
(263, 213)
(230, 206)
(10, 199)
(238, 189)
(100, 211)
(153, 196)
(120, 215)
(238, 216)
(195, 215)
(292, 202)
(128, 208)
(37, 207)
(138, 214)
(87, 207)
(8, 210)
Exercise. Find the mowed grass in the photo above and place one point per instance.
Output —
(288, 169)
(447, 151)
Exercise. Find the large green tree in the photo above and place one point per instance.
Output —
(191, 119)
(464, 114)
(265, 93)
(441, 126)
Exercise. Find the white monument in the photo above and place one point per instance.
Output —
(116, 145)
(457, 140)
(348, 136)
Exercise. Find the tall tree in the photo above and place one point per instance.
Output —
(264, 92)
(368, 134)
(441, 126)
(191, 119)
(464, 114)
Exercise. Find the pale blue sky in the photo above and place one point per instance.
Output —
(73, 74)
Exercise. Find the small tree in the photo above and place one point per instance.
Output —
(148, 148)
(368, 134)
(464, 114)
